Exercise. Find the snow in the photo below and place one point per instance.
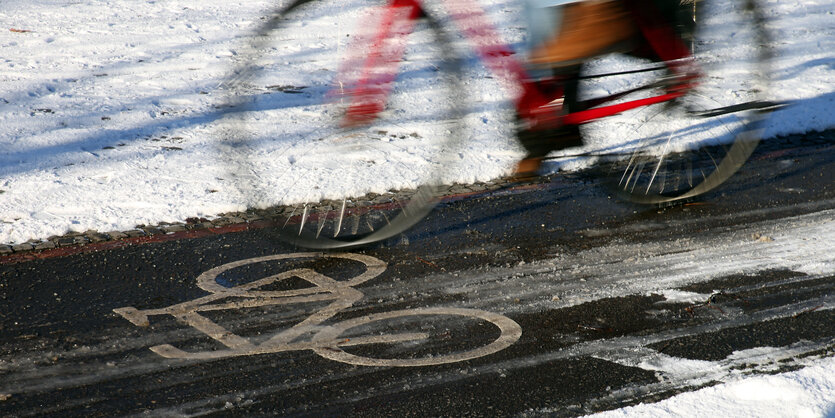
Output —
(108, 107)
(809, 392)
(107, 110)
(681, 296)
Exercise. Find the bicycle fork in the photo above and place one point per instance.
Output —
(368, 93)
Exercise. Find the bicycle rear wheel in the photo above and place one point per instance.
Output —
(686, 147)
(322, 183)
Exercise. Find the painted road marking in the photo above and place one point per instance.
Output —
(326, 340)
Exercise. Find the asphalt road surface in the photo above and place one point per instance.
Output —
(552, 299)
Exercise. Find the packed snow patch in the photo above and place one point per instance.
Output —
(809, 392)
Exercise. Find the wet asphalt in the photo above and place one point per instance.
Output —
(65, 351)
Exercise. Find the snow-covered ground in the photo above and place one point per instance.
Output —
(106, 106)
(808, 392)
(106, 109)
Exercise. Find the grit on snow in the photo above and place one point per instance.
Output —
(106, 107)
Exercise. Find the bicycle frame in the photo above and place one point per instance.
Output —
(540, 108)
(694, 117)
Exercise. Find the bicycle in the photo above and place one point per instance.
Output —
(689, 97)
(328, 341)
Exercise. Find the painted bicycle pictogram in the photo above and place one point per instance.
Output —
(326, 340)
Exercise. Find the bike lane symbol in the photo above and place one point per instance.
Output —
(327, 340)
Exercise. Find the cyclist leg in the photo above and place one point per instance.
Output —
(586, 29)
(590, 28)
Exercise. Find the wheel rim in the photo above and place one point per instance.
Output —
(322, 185)
(678, 150)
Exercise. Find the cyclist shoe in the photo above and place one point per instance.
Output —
(589, 28)
(527, 168)
(538, 143)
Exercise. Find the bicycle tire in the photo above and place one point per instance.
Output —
(320, 184)
(332, 337)
(687, 147)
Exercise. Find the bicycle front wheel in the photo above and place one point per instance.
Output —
(683, 148)
(327, 171)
